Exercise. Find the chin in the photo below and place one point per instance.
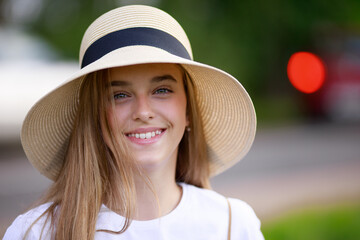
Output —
(150, 166)
(153, 164)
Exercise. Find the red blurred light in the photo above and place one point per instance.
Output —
(306, 72)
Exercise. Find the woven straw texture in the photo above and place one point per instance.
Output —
(133, 16)
(226, 109)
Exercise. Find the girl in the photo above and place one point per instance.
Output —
(131, 140)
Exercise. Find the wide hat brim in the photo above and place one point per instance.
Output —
(227, 112)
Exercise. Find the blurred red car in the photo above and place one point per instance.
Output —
(339, 97)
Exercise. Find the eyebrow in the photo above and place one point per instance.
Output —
(156, 79)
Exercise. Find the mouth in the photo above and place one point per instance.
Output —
(145, 135)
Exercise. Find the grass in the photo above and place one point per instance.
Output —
(335, 223)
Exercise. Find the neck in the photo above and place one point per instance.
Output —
(164, 196)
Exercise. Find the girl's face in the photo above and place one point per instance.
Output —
(150, 111)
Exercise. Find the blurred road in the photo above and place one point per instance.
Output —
(297, 166)
(287, 168)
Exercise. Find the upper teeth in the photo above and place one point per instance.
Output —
(146, 135)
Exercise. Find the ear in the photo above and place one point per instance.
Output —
(187, 120)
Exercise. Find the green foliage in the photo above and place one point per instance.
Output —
(275, 110)
(63, 22)
(341, 223)
(252, 40)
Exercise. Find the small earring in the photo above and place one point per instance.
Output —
(188, 129)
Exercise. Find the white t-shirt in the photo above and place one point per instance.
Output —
(201, 214)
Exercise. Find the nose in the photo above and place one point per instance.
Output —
(142, 109)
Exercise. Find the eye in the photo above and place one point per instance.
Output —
(163, 91)
(121, 95)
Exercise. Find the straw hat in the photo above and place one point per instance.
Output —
(139, 34)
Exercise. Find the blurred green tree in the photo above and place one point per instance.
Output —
(252, 40)
(1, 12)
(63, 22)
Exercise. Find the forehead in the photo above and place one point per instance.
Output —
(145, 71)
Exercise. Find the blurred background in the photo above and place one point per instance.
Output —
(299, 61)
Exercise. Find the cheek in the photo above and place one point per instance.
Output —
(117, 117)
(176, 111)
(115, 123)
(113, 117)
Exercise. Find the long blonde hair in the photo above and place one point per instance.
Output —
(192, 165)
(94, 172)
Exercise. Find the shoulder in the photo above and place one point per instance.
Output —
(210, 197)
(205, 201)
(205, 196)
(244, 222)
(241, 209)
(22, 223)
(212, 205)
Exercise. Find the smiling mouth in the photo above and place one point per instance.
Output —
(145, 135)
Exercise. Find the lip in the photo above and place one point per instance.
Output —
(144, 141)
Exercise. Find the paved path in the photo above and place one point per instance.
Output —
(287, 168)
(292, 167)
